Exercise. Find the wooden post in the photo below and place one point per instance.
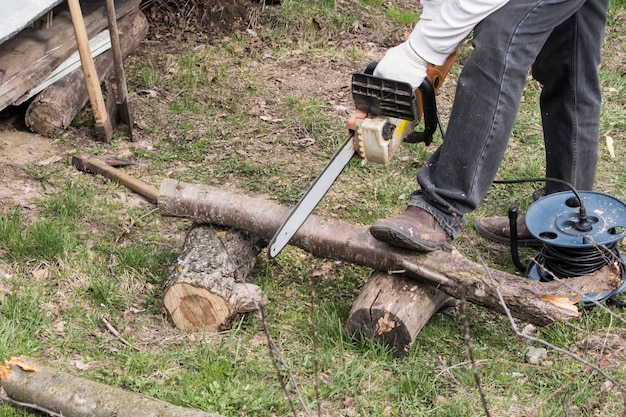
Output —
(120, 76)
(104, 128)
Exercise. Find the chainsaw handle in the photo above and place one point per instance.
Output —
(426, 99)
(435, 75)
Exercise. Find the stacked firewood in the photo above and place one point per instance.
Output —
(40, 66)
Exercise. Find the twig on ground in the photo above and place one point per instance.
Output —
(275, 356)
(551, 396)
(470, 352)
(117, 334)
(30, 406)
(315, 358)
(121, 235)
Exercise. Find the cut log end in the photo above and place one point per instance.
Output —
(384, 328)
(193, 308)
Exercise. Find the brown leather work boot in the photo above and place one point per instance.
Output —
(414, 229)
(497, 228)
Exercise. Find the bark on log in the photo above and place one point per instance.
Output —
(534, 302)
(392, 309)
(53, 109)
(208, 289)
(73, 396)
(27, 59)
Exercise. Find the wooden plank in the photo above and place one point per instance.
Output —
(53, 109)
(98, 44)
(18, 15)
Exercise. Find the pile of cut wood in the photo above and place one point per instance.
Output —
(40, 63)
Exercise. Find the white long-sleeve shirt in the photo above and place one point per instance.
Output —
(444, 24)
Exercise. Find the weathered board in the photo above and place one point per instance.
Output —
(18, 15)
(54, 109)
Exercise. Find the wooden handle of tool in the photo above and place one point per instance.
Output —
(89, 70)
(97, 166)
(120, 76)
(116, 48)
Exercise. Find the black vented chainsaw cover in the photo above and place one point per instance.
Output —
(382, 97)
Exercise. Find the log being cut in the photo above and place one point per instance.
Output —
(392, 309)
(532, 301)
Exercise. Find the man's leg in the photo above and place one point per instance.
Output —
(567, 68)
(570, 108)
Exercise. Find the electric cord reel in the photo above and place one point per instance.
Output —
(579, 233)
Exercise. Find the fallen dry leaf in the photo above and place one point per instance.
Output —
(42, 273)
(22, 364)
(4, 372)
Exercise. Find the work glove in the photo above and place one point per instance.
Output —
(402, 63)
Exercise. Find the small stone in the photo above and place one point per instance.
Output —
(535, 355)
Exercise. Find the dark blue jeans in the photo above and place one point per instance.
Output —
(561, 41)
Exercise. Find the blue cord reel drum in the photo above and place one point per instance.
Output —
(577, 242)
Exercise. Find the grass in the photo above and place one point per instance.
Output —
(87, 253)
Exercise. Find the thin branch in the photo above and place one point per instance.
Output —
(470, 352)
(273, 352)
(551, 396)
(275, 356)
(117, 334)
(31, 406)
(315, 358)
(538, 340)
(117, 240)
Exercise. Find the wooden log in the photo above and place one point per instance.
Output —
(532, 301)
(99, 44)
(392, 309)
(27, 59)
(28, 382)
(53, 109)
(208, 289)
(120, 76)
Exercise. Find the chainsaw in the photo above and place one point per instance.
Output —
(387, 114)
